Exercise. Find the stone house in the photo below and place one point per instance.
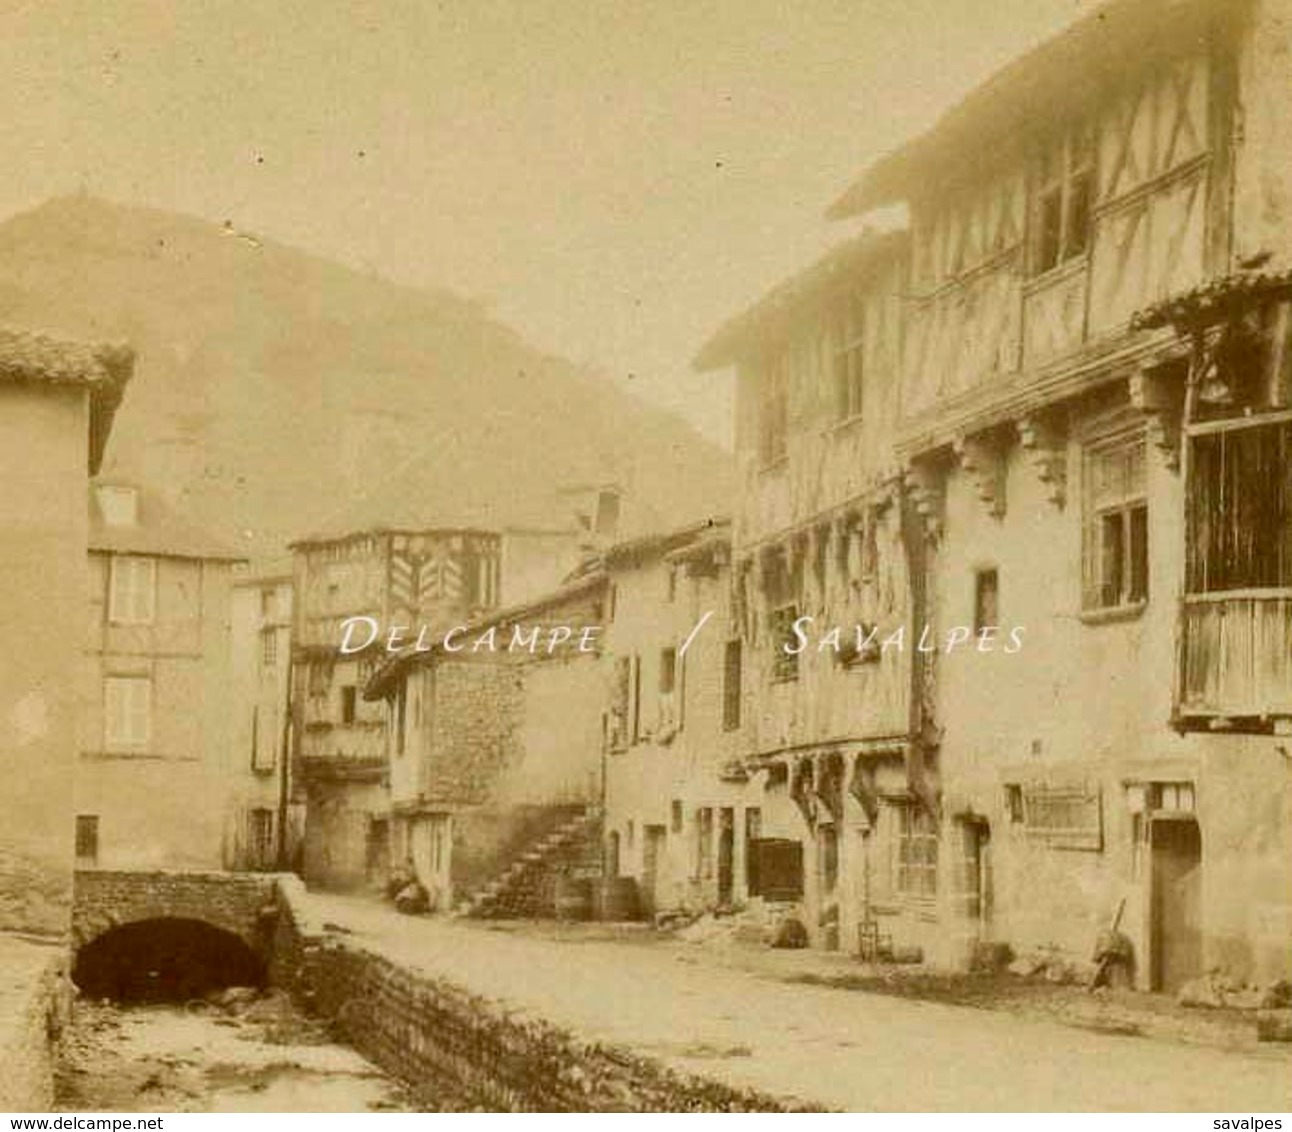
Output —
(380, 561)
(59, 399)
(399, 580)
(1089, 409)
(153, 779)
(57, 403)
(819, 542)
(266, 823)
(495, 747)
(681, 811)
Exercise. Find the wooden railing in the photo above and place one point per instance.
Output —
(1236, 654)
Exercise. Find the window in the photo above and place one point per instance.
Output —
(268, 647)
(1115, 567)
(87, 838)
(268, 603)
(260, 837)
(621, 703)
(635, 707)
(1176, 797)
(401, 717)
(849, 366)
(263, 743)
(1014, 804)
(731, 681)
(986, 600)
(670, 697)
(1065, 816)
(127, 712)
(675, 815)
(133, 586)
(1063, 199)
(1240, 509)
(349, 702)
(785, 665)
(774, 413)
(916, 871)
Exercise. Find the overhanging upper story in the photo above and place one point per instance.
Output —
(1085, 182)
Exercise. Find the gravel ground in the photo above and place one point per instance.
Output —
(777, 1025)
(259, 1057)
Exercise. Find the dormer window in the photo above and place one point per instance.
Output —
(1062, 201)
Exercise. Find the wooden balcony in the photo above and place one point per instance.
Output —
(1236, 656)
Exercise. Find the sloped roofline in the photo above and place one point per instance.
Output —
(29, 357)
(767, 317)
(1096, 51)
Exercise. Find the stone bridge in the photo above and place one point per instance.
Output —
(243, 904)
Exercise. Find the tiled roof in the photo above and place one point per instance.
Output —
(29, 356)
(1216, 300)
(39, 359)
(157, 530)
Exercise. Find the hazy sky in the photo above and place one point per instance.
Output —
(613, 179)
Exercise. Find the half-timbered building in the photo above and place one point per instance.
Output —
(400, 580)
(1093, 424)
(822, 599)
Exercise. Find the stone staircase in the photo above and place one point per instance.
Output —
(525, 889)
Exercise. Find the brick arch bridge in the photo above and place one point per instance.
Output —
(243, 904)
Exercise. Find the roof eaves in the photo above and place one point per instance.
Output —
(1099, 47)
(765, 316)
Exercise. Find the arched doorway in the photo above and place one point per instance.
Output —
(164, 959)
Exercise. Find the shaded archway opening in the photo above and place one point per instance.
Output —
(165, 960)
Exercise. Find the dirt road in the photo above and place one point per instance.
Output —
(841, 1049)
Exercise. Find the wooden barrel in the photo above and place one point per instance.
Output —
(616, 899)
(572, 898)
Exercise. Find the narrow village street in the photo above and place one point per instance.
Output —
(824, 1046)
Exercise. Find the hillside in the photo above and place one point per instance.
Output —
(277, 393)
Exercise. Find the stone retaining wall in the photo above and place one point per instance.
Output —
(33, 1010)
(461, 1052)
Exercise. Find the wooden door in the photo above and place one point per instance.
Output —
(726, 854)
(1176, 923)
